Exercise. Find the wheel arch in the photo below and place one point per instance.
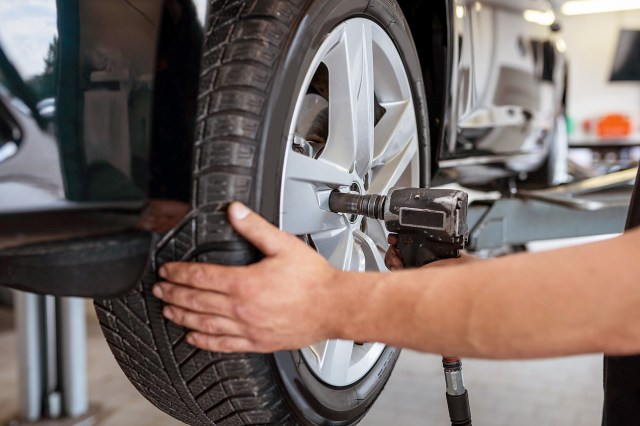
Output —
(435, 50)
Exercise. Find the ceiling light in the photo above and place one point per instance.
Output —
(539, 17)
(585, 7)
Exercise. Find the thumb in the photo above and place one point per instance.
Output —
(258, 231)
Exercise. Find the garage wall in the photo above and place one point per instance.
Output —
(591, 42)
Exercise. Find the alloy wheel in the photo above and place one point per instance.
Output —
(354, 130)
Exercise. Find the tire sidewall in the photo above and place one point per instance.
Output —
(313, 400)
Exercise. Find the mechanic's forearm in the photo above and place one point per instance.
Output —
(406, 309)
(555, 303)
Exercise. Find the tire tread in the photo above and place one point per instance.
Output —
(243, 44)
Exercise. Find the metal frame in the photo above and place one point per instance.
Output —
(596, 206)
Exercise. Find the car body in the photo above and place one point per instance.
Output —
(91, 107)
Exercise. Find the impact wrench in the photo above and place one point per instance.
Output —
(431, 224)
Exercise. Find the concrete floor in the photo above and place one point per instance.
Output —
(565, 392)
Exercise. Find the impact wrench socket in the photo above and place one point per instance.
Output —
(431, 225)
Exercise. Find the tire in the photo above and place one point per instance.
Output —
(257, 85)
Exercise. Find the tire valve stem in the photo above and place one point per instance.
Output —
(457, 395)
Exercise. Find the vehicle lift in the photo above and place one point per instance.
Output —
(52, 365)
(52, 331)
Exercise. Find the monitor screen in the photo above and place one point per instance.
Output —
(626, 65)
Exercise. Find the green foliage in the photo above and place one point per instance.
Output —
(44, 86)
(50, 76)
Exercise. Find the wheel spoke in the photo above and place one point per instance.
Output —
(302, 215)
(308, 183)
(336, 246)
(378, 233)
(387, 175)
(317, 172)
(351, 100)
(373, 257)
(394, 131)
(336, 360)
(358, 259)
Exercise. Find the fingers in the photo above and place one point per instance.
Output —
(392, 261)
(208, 324)
(208, 302)
(262, 234)
(200, 275)
(224, 344)
(266, 237)
(393, 258)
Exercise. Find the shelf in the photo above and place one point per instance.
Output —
(605, 143)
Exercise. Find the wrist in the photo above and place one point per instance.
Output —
(356, 312)
(339, 308)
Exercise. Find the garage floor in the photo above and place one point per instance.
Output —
(565, 392)
(554, 392)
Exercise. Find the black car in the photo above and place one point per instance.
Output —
(128, 126)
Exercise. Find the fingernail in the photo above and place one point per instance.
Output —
(157, 291)
(190, 339)
(239, 211)
(168, 313)
(163, 271)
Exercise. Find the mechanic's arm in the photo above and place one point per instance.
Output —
(579, 300)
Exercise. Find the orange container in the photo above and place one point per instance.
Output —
(614, 126)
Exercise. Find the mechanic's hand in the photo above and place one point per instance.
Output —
(393, 258)
(282, 302)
